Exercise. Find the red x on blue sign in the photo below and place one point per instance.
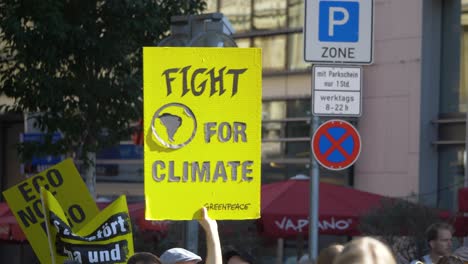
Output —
(336, 144)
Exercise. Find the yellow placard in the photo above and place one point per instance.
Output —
(107, 238)
(202, 125)
(65, 183)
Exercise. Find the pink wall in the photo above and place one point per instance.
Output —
(389, 125)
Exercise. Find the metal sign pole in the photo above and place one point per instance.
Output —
(465, 165)
(314, 197)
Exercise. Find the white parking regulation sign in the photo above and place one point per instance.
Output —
(337, 91)
(339, 31)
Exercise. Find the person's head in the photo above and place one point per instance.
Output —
(328, 254)
(439, 237)
(234, 256)
(305, 260)
(365, 250)
(179, 256)
(449, 260)
(143, 258)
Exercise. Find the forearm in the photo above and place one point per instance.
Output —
(213, 246)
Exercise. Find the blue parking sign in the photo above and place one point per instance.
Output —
(338, 21)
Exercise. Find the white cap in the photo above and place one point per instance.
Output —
(175, 255)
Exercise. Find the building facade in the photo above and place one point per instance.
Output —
(414, 96)
(414, 100)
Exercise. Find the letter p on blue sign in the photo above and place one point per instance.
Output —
(339, 21)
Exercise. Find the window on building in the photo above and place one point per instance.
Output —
(286, 149)
(453, 95)
(122, 163)
(273, 51)
(451, 136)
(239, 13)
(269, 14)
(296, 52)
(243, 43)
(459, 94)
(211, 6)
(295, 13)
(451, 176)
(273, 25)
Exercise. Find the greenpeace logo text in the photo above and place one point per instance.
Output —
(227, 206)
(300, 225)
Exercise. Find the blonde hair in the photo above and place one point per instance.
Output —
(328, 254)
(365, 250)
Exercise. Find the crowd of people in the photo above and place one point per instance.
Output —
(368, 250)
(363, 250)
(182, 256)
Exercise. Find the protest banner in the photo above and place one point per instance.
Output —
(105, 239)
(202, 132)
(65, 183)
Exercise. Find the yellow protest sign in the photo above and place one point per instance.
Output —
(105, 239)
(65, 183)
(202, 125)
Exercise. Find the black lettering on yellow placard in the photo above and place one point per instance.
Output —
(226, 132)
(197, 80)
(32, 214)
(203, 171)
(30, 190)
(227, 206)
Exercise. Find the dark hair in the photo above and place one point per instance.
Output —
(146, 257)
(433, 231)
(242, 254)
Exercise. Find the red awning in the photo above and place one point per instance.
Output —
(10, 229)
(285, 209)
(463, 200)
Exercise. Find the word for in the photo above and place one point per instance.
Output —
(332, 52)
(195, 80)
(103, 254)
(226, 131)
(202, 171)
(227, 206)
(287, 224)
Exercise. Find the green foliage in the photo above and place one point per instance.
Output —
(402, 224)
(79, 63)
